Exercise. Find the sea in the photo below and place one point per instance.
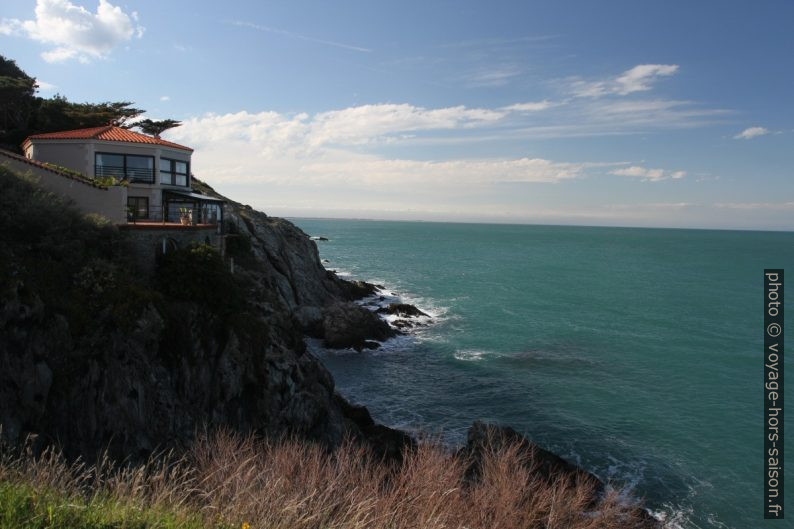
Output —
(635, 353)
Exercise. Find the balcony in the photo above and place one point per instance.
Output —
(176, 216)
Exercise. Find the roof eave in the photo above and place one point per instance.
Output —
(30, 139)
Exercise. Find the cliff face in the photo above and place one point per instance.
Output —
(93, 356)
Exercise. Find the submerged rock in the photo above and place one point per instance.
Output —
(402, 309)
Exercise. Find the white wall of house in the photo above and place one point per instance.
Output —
(110, 202)
(79, 155)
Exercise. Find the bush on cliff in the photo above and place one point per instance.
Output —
(198, 274)
(78, 265)
(54, 254)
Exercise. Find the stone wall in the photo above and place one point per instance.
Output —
(150, 241)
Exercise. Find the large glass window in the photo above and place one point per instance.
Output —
(132, 167)
(110, 165)
(138, 207)
(140, 168)
(173, 172)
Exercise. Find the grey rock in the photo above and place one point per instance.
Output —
(402, 309)
(347, 324)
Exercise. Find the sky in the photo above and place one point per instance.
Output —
(626, 113)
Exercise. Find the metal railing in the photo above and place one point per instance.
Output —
(175, 214)
(132, 174)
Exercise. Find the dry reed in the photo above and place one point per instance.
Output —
(231, 480)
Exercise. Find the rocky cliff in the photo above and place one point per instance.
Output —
(95, 355)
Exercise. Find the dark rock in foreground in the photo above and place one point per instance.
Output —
(386, 443)
(355, 290)
(402, 309)
(483, 437)
(350, 325)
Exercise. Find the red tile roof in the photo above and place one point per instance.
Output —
(106, 133)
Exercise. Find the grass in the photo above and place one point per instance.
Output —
(228, 481)
(22, 506)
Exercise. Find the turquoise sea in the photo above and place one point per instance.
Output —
(636, 353)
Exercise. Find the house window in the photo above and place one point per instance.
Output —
(173, 172)
(131, 167)
(138, 207)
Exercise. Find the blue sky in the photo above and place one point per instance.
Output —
(609, 113)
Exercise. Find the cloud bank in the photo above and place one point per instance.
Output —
(351, 146)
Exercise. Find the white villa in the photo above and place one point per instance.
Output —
(138, 182)
(155, 174)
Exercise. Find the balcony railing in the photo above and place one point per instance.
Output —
(132, 174)
(176, 215)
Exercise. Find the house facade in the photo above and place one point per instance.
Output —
(155, 172)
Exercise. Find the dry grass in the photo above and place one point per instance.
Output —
(227, 480)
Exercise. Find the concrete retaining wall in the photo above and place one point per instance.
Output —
(149, 242)
(110, 202)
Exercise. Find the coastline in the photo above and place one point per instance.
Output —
(191, 348)
(480, 435)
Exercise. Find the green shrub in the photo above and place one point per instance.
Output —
(198, 274)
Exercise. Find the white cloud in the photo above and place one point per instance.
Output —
(647, 174)
(351, 145)
(368, 123)
(647, 113)
(493, 76)
(379, 172)
(298, 36)
(165, 98)
(75, 32)
(534, 106)
(750, 133)
(756, 205)
(62, 54)
(44, 86)
(637, 79)
(10, 26)
(339, 147)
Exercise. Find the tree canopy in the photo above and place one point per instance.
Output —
(155, 128)
(17, 99)
(23, 113)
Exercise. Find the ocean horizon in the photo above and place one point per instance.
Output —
(633, 352)
(298, 219)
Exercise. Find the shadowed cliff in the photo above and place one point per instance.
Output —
(95, 354)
